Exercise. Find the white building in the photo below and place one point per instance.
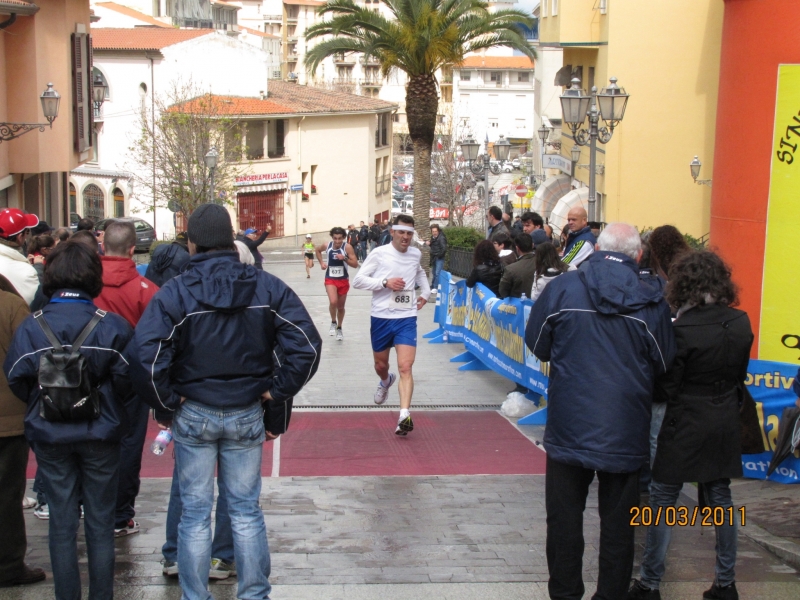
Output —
(495, 95)
(137, 62)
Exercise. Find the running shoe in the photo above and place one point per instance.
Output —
(404, 426)
(221, 569)
(339, 335)
(332, 330)
(170, 568)
(383, 391)
(42, 511)
(28, 502)
(130, 528)
(640, 591)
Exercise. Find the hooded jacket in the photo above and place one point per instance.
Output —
(608, 335)
(166, 263)
(20, 273)
(125, 292)
(209, 335)
(67, 314)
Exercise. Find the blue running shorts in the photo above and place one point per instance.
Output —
(386, 333)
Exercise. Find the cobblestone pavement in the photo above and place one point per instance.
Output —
(444, 538)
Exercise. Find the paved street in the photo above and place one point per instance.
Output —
(438, 537)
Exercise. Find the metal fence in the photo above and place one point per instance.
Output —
(459, 261)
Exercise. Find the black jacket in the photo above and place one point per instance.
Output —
(700, 438)
(166, 263)
(438, 247)
(67, 314)
(210, 336)
(607, 335)
(489, 274)
(501, 226)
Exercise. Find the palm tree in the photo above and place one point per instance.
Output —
(422, 37)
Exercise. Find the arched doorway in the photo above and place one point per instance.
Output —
(93, 203)
(119, 203)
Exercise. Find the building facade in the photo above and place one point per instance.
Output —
(643, 173)
(43, 43)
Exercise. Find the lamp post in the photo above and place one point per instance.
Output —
(469, 150)
(50, 101)
(695, 168)
(544, 134)
(609, 104)
(98, 91)
(211, 163)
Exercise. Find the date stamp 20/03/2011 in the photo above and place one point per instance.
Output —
(683, 516)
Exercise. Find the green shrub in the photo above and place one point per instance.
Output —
(462, 237)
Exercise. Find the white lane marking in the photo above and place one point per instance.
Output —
(276, 458)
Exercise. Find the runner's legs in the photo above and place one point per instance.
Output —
(309, 265)
(333, 301)
(405, 361)
(340, 309)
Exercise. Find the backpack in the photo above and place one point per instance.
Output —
(67, 392)
(386, 237)
(374, 233)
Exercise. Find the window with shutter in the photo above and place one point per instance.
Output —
(81, 91)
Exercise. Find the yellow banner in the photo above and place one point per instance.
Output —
(780, 315)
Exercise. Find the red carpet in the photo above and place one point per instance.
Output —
(364, 443)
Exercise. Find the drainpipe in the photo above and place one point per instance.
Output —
(299, 168)
(153, 133)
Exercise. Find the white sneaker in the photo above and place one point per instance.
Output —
(339, 335)
(42, 511)
(28, 502)
(383, 392)
(332, 330)
(404, 425)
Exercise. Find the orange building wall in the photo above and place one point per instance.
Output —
(757, 36)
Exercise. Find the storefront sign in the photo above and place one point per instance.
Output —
(556, 161)
(780, 319)
(261, 179)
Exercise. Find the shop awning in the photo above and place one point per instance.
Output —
(558, 216)
(267, 187)
(549, 193)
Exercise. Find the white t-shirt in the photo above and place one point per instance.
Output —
(385, 262)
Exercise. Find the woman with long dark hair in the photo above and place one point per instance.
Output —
(486, 267)
(666, 245)
(700, 438)
(548, 267)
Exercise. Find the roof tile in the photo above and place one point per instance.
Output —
(134, 14)
(143, 38)
(497, 62)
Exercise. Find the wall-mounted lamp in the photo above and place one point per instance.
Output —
(695, 168)
(50, 100)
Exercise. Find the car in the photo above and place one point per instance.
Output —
(396, 208)
(398, 195)
(145, 234)
(507, 167)
(516, 163)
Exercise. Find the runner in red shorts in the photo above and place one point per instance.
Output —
(338, 255)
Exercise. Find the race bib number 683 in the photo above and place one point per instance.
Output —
(402, 300)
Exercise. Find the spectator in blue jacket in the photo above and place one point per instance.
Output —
(580, 240)
(76, 459)
(203, 357)
(607, 334)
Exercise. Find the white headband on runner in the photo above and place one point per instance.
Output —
(402, 228)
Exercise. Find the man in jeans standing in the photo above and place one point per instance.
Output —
(438, 245)
(203, 357)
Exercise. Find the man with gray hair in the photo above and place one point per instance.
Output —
(608, 335)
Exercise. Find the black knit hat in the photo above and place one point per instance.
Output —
(210, 226)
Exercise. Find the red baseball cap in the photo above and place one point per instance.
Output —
(14, 221)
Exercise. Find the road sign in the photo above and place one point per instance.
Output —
(297, 187)
(522, 191)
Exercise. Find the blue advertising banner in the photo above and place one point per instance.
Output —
(770, 384)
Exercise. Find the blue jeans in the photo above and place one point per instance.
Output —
(205, 436)
(436, 268)
(68, 469)
(718, 493)
(222, 544)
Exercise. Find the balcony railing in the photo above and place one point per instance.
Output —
(372, 60)
(193, 23)
(446, 80)
(278, 152)
(373, 81)
(344, 59)
(273, 18)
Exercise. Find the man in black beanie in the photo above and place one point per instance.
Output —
(203, 358)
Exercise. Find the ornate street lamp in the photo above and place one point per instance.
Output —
(211, 163)
(469, 149)
(50, 101)
(695, 168)
(576, 153)
(544, 133)
(576, 106)
(99, 89)
(501, 149)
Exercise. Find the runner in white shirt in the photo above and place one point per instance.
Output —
(392, 272)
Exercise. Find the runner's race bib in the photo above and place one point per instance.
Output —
(336, 272)
(402, 300)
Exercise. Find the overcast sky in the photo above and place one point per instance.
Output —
(527, 5)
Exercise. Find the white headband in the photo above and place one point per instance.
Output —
(402, 228)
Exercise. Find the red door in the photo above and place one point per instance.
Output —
(259, 209)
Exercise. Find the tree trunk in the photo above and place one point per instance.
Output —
(422, 102)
